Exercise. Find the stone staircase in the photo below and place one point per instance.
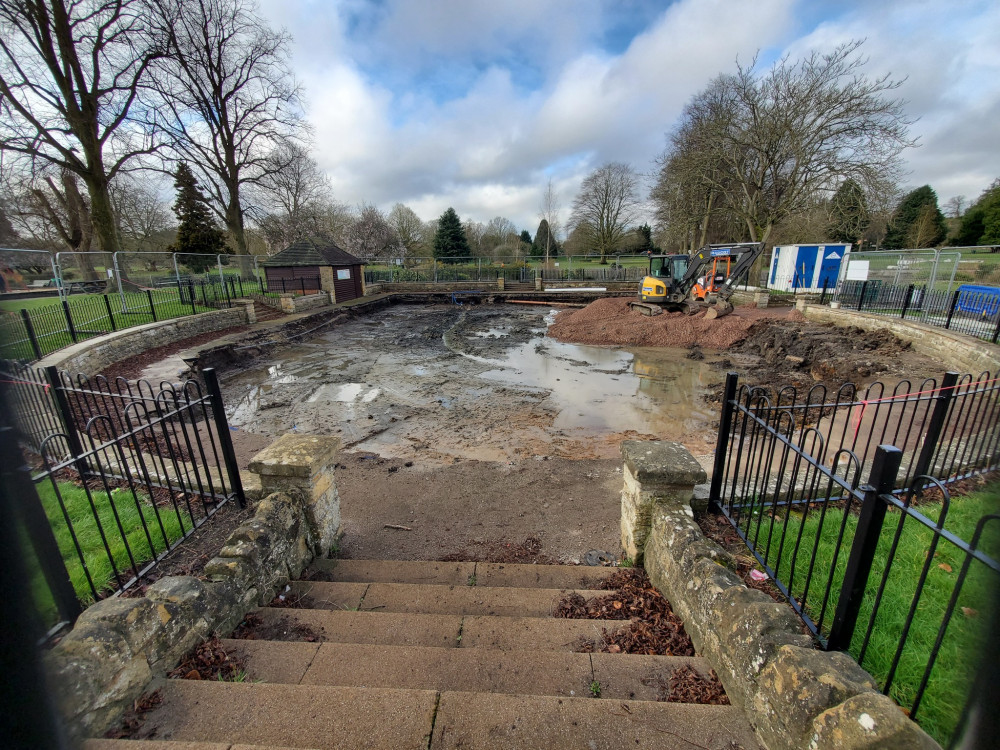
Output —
(432, 655)
(264, 312)
(519, 286)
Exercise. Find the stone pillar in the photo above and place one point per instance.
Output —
(801, 303)
(249, 313)
(657, 472)
(287, 302)
(326, 278)
(364, 287)
(304, 464)
(761, 299)
(500, 283)
(538, 284)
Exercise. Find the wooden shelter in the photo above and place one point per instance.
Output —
(308, 266)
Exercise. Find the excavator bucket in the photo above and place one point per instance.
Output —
(718, 310)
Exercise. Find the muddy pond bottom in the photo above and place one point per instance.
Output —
(440, 384)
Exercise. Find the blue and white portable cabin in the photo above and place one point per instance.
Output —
(806, 268)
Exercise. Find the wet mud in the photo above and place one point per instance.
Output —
(441, 384)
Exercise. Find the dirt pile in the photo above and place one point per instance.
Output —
(611, 321)
(803, 353)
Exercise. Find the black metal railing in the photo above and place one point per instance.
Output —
(837, 516)
(973, 310)
(132, 470)
(30, 334)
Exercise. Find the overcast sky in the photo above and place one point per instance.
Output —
(475, 104)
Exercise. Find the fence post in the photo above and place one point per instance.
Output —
(241, 287)
(152, 308)
(225, 438)
(194, 309)
(951, 310)
(861, 299)
(26, 319)
(996, 331)
(881, 481)
(822, 297)
(935, 427)
(302, 285)
(66, 414)
(39, 529)
(722, 441)
(906, 302)
(69, 320)
(111, 315)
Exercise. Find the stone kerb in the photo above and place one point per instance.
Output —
(118, 645)
(794, 695)
(655, 472)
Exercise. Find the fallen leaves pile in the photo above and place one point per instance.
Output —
(654, 628)
(210, 661)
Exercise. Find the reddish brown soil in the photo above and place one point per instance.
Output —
(132, 367)
(611, 321)
(210, 661)
(253, 628)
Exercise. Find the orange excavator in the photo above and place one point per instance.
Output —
(705, 279)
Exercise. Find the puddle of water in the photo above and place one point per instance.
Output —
(398, 388)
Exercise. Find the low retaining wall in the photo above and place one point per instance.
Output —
(956, 350)
(794, 695)
(94, 355)
(118, 645)
(296, 303)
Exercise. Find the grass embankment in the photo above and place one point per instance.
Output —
(131, 511)
(954, 669)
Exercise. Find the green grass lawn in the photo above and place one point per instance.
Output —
(954, 669)
(131, 512)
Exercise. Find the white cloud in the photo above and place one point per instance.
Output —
(475, 104)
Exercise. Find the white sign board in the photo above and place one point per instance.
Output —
(343, 273)
(857, 270)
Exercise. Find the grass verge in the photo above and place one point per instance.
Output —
(954, 669)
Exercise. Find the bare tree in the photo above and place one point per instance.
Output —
(550, 214)
(293, 184)
(144, 219)
(500, 238)
(71, 75)
(229, 96)
(777, 141)
(409, 228)
(956, 206)
(606, 206)
(371, 237)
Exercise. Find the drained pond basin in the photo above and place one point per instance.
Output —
(438, 384)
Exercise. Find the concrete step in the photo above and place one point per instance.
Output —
(433, 599)
(321, 717)
(524, 672)
(464, 573)
(448, 631)
(516, 722)
(294, 716)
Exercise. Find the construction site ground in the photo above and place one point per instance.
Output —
(482, 432)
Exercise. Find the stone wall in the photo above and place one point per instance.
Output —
(794, 695)
(118, 645)
(956, 351)
(296, 303)
(93, 355)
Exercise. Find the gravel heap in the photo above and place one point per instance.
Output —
(610, 321)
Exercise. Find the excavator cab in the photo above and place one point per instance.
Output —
(664, 273)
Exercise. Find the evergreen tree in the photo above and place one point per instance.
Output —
(197, 232)
(981, 223)
(545, 242)
(450, 242)
(645, 234)
(912, 225)
(849, 217)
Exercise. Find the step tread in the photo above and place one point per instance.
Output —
(434, 599)
(413, 629)
(323, 718)
(509, 722)
(470, 670)
(295, 716)
(106, 744)
(461, 573)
